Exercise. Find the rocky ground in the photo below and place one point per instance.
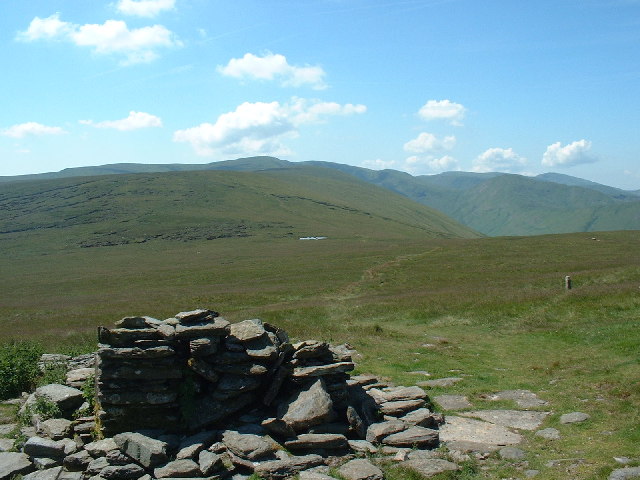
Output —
(322, 425)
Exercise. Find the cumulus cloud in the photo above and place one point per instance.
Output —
(134, 121)
(138, 45)
(378, 164)
(443, 110)
(260, 127)
(274, 66)
(144, 8)
(428, 142)
(45, 29)
(420, 164)
(30, 128)
(499, 160)
(574, 153)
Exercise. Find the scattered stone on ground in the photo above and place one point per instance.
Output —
(429, 466)
(522, 420)
(263, 395)
(625, 473)
(522, 398)
(452, 402)
(440, 382)
(460, 429)
(574, 417)
(360, 469)
(549, 434)
(511, 453)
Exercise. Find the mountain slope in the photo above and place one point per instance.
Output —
(616, 193)
(491, 203)
(185, 206)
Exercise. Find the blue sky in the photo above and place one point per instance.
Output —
(423, 86)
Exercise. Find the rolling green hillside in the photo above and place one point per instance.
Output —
(183, 206)
(494, 204)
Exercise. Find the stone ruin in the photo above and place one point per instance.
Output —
(194, 396)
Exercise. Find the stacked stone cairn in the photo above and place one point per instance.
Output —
(194, 396)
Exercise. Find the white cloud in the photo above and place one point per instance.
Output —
(134, 121)
(378, 164)
(428, 142)
(274, 66)
(443, 110)
(30, 128)
(259, 128)
(45, 28)
(417, 164)
(499, 160)
(574, 153)
(138, 45)
(144, 8)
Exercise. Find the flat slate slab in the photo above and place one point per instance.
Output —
(460, 429)
(574, 417)
(429, 466)
(522, 398)
(452, 402)
(625, 473)
(440, 382)
(522, 420)
(549, 434)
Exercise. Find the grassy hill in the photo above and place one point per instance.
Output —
(491, 203)
(504, 204)
(184, 206)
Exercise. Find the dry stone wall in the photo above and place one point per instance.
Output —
(196, 370)
(194, 396)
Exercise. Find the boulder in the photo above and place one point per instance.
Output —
(287, 468)
(300, 373)
(397, 394)
(130, 471)
(77, 462)
(360, 469)
(314, 441)
(209, 462)
(378, 431)
(77, 378)
(66, 398)
(219, 327)
(44, 447)
(311, 406)
(144, 450)
(401, 407)
(99, 448)
(429, 467)
(251, 447)
(48, 474)
(14, 463)
(56, 428)
(197, 315)
(414, 437)
(184, 468)
(246, 331)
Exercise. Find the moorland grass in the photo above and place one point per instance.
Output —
(494, 311)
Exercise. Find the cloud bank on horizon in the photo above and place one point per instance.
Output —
(213, 83)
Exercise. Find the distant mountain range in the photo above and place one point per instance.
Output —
(494, 204)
